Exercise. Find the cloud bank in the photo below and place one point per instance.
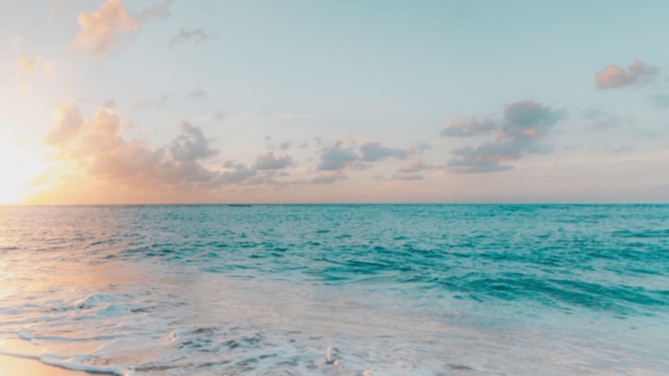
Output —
(98, 148)
(342, 154)
(98, 155)
(521, 132)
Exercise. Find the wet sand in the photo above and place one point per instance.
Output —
(18, 366)
(13, 366)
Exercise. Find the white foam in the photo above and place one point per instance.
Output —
(27, 334)
(75, 364)
(190, 323)
(71, 362)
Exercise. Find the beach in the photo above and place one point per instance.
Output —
(10, 366)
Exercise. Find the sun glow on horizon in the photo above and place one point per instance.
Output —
(21, 164)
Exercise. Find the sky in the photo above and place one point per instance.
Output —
(296, 101)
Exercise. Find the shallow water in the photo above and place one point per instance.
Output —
(338, 289)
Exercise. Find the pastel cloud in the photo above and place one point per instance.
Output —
(467, 128)
(340, 156)
(337, 157)
(68, 127)
(236, 173)
(93, 154)
(99, 150)
(264, 171)
(373, 151)
(268, 161)
(191, 144)
(613, 76)
(100, 29)
(412, 170)
(28, 65)
(328, 178)
(415, 165)
(100, 153)
(407, 177)
(521, 132)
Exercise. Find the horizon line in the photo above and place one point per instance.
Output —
(345, 203)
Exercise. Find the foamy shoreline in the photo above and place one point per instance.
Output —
(16, 366)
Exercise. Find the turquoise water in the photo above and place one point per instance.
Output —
(338, 289)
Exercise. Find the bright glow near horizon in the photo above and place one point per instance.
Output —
(174, 101)
(20, 167)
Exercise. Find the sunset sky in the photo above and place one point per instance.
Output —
(204, 101)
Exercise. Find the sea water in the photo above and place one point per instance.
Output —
(338, 289)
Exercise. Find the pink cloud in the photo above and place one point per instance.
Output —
(68, 127)
(613, 76)
(99, 151)
(100, 29)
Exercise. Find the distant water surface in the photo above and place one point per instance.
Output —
(338, 289)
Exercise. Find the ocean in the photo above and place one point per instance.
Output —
(337, 289)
